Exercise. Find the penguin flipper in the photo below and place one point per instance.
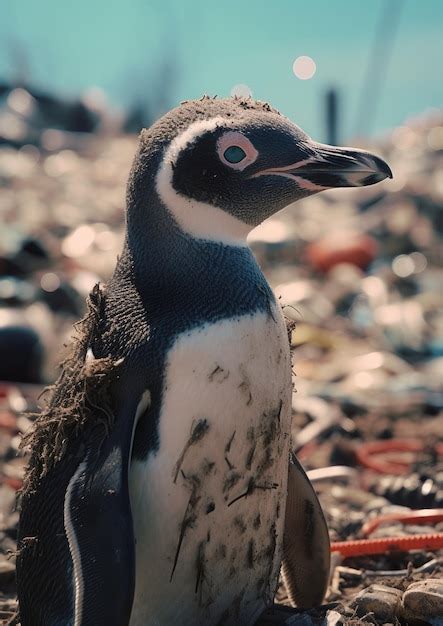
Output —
(79, 570)
(306, 547)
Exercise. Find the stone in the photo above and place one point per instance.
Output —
(424, 599)
(384, 602)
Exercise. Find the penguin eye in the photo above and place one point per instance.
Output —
(235, 150)
(234, 154)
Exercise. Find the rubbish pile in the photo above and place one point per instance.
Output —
(358, 271)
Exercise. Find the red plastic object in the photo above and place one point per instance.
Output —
(307, 450)
(355, 248)
(421, 516)
(8, 420)
(15, 483)
(366, 454)
(364, 547)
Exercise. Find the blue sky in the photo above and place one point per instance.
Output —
(208, 46)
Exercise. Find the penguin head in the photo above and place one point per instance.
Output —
(221, 167)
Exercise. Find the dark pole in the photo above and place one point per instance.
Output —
(332, 116)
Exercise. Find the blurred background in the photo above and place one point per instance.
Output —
(359, 271)
(144, 56)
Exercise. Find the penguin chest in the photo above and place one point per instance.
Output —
(208, 506)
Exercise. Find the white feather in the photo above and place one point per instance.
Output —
(78, 582)
(233, 381)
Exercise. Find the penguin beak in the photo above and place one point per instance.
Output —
(327, 167)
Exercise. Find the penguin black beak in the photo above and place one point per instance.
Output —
(327, 167)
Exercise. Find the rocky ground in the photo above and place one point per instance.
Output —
(358, 271)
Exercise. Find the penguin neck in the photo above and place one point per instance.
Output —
(161, 256)
(177, 282)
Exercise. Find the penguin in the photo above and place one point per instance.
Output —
(161, 488)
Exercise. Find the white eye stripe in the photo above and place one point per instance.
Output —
(199, 219)
(188, 136)
(234, 138)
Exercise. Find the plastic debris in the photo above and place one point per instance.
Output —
(367, 307)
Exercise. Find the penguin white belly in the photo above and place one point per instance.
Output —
(209, 505)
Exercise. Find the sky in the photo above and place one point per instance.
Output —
(125, 47)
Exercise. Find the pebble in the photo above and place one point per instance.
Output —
(333, 618)
(424, 599)
(382, 601)
(367, 306)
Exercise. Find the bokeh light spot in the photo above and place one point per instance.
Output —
(435, 138)
(77, 243)
(304, 67)
(241, 91)
(363, 380)
(20, 101)
(50, 282)
(419, 260)
(403, 265)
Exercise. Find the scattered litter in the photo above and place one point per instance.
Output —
(367, 304)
